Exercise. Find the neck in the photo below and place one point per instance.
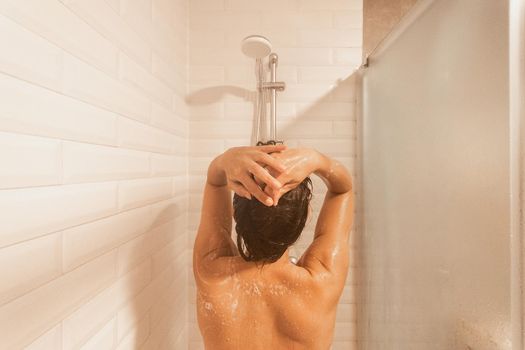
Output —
(285, 258)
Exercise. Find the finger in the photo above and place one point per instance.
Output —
(255, 190)
(270, 161)
(264, 176)
(272, 148)
(240, 190)
(277, 194)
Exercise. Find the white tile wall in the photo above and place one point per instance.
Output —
(96, 134)
(93, 183)
(319, 46)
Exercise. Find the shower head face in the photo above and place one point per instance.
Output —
(256, 46)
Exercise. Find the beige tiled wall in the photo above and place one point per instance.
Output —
(319, 45)
(96, 136)
(93, 176)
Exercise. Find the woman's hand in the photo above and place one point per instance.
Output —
(299, 163)
(236, 166)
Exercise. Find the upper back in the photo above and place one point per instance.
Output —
(242, 306)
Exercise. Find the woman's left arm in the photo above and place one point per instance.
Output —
(232, 170)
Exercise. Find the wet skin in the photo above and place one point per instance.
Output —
(247, 305)
(279, 306)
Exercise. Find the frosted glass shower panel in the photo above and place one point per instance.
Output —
(435, 182)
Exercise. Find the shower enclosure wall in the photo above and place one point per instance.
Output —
(435, 214)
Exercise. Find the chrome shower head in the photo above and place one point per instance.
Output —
(256, 46)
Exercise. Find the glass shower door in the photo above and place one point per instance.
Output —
(435, 189)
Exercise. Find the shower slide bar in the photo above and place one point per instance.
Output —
(258, 47)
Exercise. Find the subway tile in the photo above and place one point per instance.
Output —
(137, 13)
(235, 143)
(93, 86)
(303, 56)
(137, 135)
(101, 16)
(142, 80)
(205, 111)
(72, 205)
(166, 165)
(351, 56)
(51, 339)
(181, 105)
(180, 185)
(136, 336)
(194, 333)
(196, 183)
(130, 316)
(169, 253)
(306, 93)
(86, 162)
(331, 146)
(167, 318)
(213, 20)
(348, 19)
(48, 18)
(29, 161)
(52, 114)
(167, 120)
(222, 129)
(139, 192)
(285, 20)
(168, 210)
(172, 75)
(27, 317)
(239, 110)
(84, 242)
(29, 57)
(205, 147)
(304, 129)
(103, 339)
(168, 11)
(195, 203)
(115, 5)
(322, 110)
(202, 56)
(37, 261)
(346, 313)
(246, 74)
(199, 165)
(80, 325)
(330, 38)
(342, 128)
(207, 73)
(207, 38)
(343, 91)
(344, 345)
(324, 74)
(169, 43)
(196, 345)
(255, 5)
(344, 331)
(182, 339)
(206, 5)
(334, 5)
(143, 246)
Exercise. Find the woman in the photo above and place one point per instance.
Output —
(251, 296)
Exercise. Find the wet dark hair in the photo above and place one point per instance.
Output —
(264, 233)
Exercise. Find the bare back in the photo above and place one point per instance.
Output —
(276, 306)
(245, 305)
